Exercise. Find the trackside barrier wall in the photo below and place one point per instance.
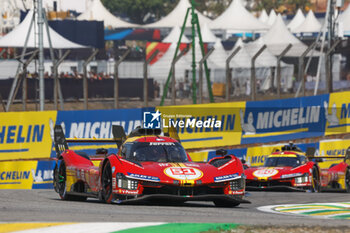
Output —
(261, 121)
(28, 135)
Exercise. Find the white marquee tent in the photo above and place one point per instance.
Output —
(272, 18)
(344, 19)
(159, 71)
(278, 38)
(218, 58)
(98, 12)
(263, 16)
(236, 17)
(16, 38)
(177, 16)
(207, 35)
(297, 20)
(174, 36)
(310, 24)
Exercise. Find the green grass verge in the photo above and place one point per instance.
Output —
(182, 227)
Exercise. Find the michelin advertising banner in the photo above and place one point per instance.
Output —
(97, 124)
(338, 113)
(281, 120)
(26, 135)
(26, 174)
(202, 126)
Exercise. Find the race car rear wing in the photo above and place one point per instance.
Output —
(61, 142)
(310, 153)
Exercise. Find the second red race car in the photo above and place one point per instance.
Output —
(147, 167)
(291, 169)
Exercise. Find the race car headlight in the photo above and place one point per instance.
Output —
(302, 179)
(237, 184)
(125, 183)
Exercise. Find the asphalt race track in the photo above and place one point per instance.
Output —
(45, 206)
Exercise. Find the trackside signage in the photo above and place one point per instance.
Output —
(276, 120)
(25, 135)
(97, 124)
(206, 125)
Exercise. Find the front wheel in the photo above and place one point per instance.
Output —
(107, 190)
(227, 204)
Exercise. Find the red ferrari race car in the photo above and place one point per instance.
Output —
(147, 167)
(291, 169)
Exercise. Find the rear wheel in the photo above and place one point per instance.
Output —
(107, 189)
(60, 184)
(315, 180)
(227, 204)
(347, 180)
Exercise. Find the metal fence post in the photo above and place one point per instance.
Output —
(253, 76)
(173, 90)
(200, 84)
(145, 78)
(116, 78)
(228, 72)
(56, 80)
(284, 52)
(85, 80)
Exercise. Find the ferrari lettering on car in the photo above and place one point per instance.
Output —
(148, 167)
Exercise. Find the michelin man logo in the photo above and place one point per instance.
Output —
(151, 120)
(248, 127)
(331, 118)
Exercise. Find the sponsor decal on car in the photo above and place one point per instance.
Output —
(226, 177)
(183, 173)
(143, 177)
(265, 172)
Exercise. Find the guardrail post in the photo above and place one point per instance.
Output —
(116, 78)
(229, 73)
(201, 74)
(253, 76)
(85, 81)
(145, 78)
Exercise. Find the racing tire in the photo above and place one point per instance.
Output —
(107, 189)
(315, 181)
(347, 180)
(225, 204)
(60, 184)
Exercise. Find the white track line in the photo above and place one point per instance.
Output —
(98, 227)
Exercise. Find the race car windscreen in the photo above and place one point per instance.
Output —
(282, 162)
(155, 152)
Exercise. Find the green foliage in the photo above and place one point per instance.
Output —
(136, 10)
